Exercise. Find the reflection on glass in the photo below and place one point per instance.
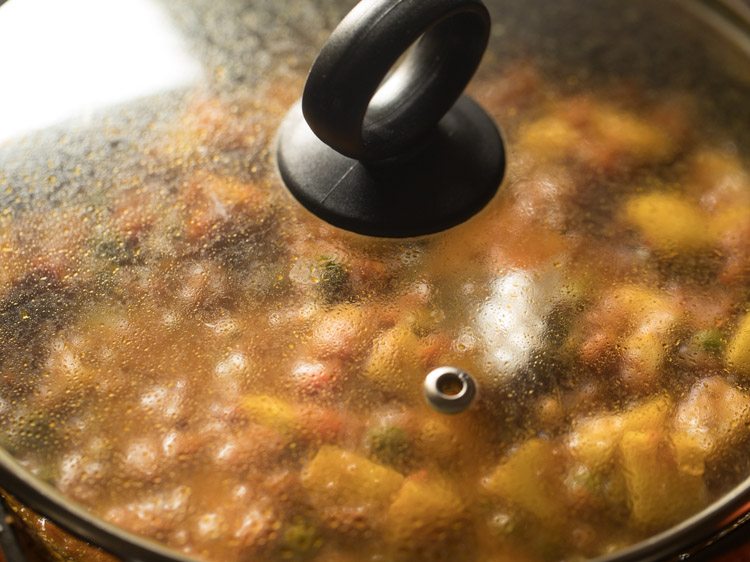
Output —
(64, 59)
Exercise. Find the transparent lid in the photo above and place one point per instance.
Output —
(192, 356)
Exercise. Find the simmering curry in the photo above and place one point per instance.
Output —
(199, 361)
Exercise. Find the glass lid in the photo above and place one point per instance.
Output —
(192, 356)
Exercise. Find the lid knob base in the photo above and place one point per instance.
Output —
(455, 172)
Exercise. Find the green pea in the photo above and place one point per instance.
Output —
(390, 445)
(300, 540)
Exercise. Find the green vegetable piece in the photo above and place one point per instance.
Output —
(300, 540)
(710, 340)
(390, 445)
(334, 280)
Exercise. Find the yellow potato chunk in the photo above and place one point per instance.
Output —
(643, 353)
(551, 135)
(392, 363)
(668, 222)
(525, 479)
(648, 310)
(437, 440)
(594, 441)
(719, 177)
(425, 520)
(649, 415)
(340, 331)
(652, 318)
(738, 352)
(336, 477)
(271, 411)
(729, 220)
(709, 421)
(690, 453)
(598, 134)
(636, 137)
(660, 494)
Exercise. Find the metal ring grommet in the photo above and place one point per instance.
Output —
(449, 390)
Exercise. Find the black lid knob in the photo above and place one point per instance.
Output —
(400, 157)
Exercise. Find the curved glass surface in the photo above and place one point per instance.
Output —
(191, 356)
